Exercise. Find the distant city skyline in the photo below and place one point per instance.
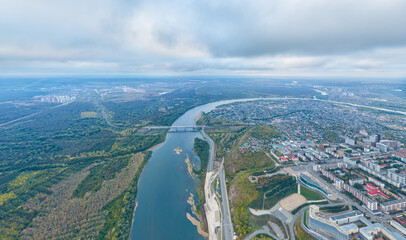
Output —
(339, 38)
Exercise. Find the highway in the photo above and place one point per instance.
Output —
(227, 224)
(227, 227)
(212, 150)
(105, 116)
(31, 115)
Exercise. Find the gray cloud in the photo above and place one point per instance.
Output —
(264, 36)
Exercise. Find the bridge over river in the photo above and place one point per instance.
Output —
(189, 128)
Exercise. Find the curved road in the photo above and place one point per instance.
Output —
(265, 230)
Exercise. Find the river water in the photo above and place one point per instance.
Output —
(165, 185)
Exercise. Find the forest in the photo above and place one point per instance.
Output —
(68, 159)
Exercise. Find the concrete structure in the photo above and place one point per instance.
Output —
(390, 176)
(375, 138)
(356, 180)
(396, 177)
(369, 203)
(374, 191)
(378, 183)
(369, 231)
(399, 227)
(346, 218)
(350, 161)
(349, 141)
(341, 232)
(324, 225)
(349, 228)
(312, 184)
(401, 155)
(390, 144)
(393, 205)
(382, 147)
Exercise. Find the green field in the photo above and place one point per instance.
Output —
(309, 194)
(334, 209)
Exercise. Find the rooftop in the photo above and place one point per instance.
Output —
(348, 227)
(394, 202)
(346, 215)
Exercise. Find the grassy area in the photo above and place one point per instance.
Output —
(296, 210)
(263, 132)
(258, 222)
(273, 189)
(202, 150)
(334, 209)
(305, 218)
(88, 114)
(263, 237)
(310, 195)
(228, 143)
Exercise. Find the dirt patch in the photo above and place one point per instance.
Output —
(189, 166)
(292, 202)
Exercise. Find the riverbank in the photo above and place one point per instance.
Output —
(196, 222)
(189, 166)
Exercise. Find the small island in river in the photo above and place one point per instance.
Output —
(178, 150)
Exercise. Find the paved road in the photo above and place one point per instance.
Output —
(212, 150)
(31, 115)
(276, 163)
(105, 117)
(227, 224)
(265, 230)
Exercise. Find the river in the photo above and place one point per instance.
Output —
(165, 185)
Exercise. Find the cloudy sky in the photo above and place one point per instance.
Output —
(265, 37)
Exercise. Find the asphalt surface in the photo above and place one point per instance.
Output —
(227, 224)
(212, 150)
(226, 217)
(265, 230)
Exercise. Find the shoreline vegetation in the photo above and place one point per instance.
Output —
(197, 223)
(201, 148)
(194, 221)
(189, 166)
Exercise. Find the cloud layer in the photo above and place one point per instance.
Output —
(289, 37)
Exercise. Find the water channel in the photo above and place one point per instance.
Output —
(165, 185)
